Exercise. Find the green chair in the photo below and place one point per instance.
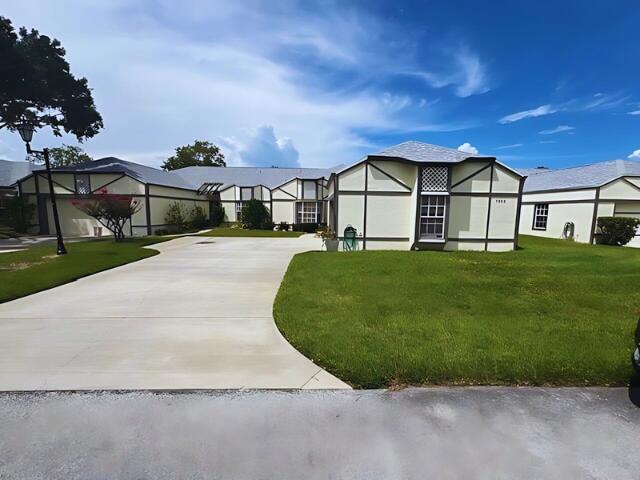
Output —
(350, 240)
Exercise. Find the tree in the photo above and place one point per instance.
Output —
(200, 154)
(37, 87)
(256, 215)
(68, 155)
(111, 210)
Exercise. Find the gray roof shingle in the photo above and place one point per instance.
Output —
(11, 172)
(582, 176)
(248, 176)
(426, 152)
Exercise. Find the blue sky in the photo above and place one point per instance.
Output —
(323, 83)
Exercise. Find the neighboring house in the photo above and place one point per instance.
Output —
(292, 195)
(154, 188)
(10, 173)
(579, 195)
(421, 196)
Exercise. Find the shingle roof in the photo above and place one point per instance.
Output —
(425, 152)
(11, 172)
(248, 176)
(582, 176)
(141, 173)
(534, 171)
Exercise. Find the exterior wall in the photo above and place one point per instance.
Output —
(283, 211)
(380, 198)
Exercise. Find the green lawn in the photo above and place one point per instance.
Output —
(38, 268)
(242, 232)
(551, 313)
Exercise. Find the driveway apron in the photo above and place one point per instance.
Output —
(196, 316)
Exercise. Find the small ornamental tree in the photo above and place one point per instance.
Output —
(256, 215)
(216, 214)
(110, 210)
(617, 230)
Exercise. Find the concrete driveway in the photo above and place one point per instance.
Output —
(196, 316)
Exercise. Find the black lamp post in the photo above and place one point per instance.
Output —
(26, 132)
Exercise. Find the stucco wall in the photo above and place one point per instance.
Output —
(283, 211)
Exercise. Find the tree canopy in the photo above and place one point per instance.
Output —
(199, 154)
(37, 87)
(68, 155)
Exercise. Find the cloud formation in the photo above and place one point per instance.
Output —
(558, 129)
(534, 112)
(513, 145)
(635, 155)
(468, 148)
(634, 112)
(262, 148)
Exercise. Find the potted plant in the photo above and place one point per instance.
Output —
(329, 239)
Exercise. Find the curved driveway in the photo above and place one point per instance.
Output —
(196, 316)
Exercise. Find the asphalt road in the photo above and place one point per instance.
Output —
(443, 433)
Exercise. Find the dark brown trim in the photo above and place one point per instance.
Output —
(594, 219)
(516, 232)
(364, 223)
(109, 183)
(147, 207)
(336, 196)
(60, 185)
(399, 182)
(636, 187)
(468, 177)
(558, 202)
(485, 194)
(167, 186)
(286, 193)
(482, 240)
(486, 235)
(558, 190)
(416, 234)
(381, 193)
(384, 239)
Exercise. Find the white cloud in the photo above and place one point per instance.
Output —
(261, 148)
(467, 74)
(635, 155)
(513, 145)
(534, 112)
(558, 129)
(468, 148)
(634, 112)
(167, 74)
(548, 141)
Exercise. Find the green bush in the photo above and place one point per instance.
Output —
(176, 218)
(307, 227)
(255, 215)
(216, 214)
(20, 213)
(198, 218)
(616, 230)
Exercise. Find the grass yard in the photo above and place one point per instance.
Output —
(38, 268)
(551, 313)
(242, 232)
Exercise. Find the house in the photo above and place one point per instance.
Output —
(420, 196)
(10, 173)
(579, 195)
(154, 188)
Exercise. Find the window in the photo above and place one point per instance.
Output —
(83, 184)
(540, 216)
(307, 212)
(432, 212)
(239, 206)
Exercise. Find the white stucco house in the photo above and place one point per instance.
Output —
(421, 196)
(410, 196)
(580, 195)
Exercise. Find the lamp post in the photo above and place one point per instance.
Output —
(26, 132)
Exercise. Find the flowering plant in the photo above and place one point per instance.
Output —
(110, 210)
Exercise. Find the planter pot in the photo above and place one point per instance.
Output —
(332, 245)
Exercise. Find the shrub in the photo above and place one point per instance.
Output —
(198, 219)
(283, 226)
(256, 215)
(216, 214)
(20, 213)
(176, 218)
(617, 230)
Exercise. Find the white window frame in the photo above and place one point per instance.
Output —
(540, 215)
(433, 219)
(300, 212)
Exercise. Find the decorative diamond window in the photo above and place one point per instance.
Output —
(434, 179)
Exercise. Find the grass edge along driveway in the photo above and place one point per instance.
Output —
(245, 232)
(552, 313)
(39, 268)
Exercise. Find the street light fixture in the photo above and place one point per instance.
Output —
(26, 133)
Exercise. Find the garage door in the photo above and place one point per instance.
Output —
(629, 209)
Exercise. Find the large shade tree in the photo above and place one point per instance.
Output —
(199, 154)
(37, 87)
(68, 155)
